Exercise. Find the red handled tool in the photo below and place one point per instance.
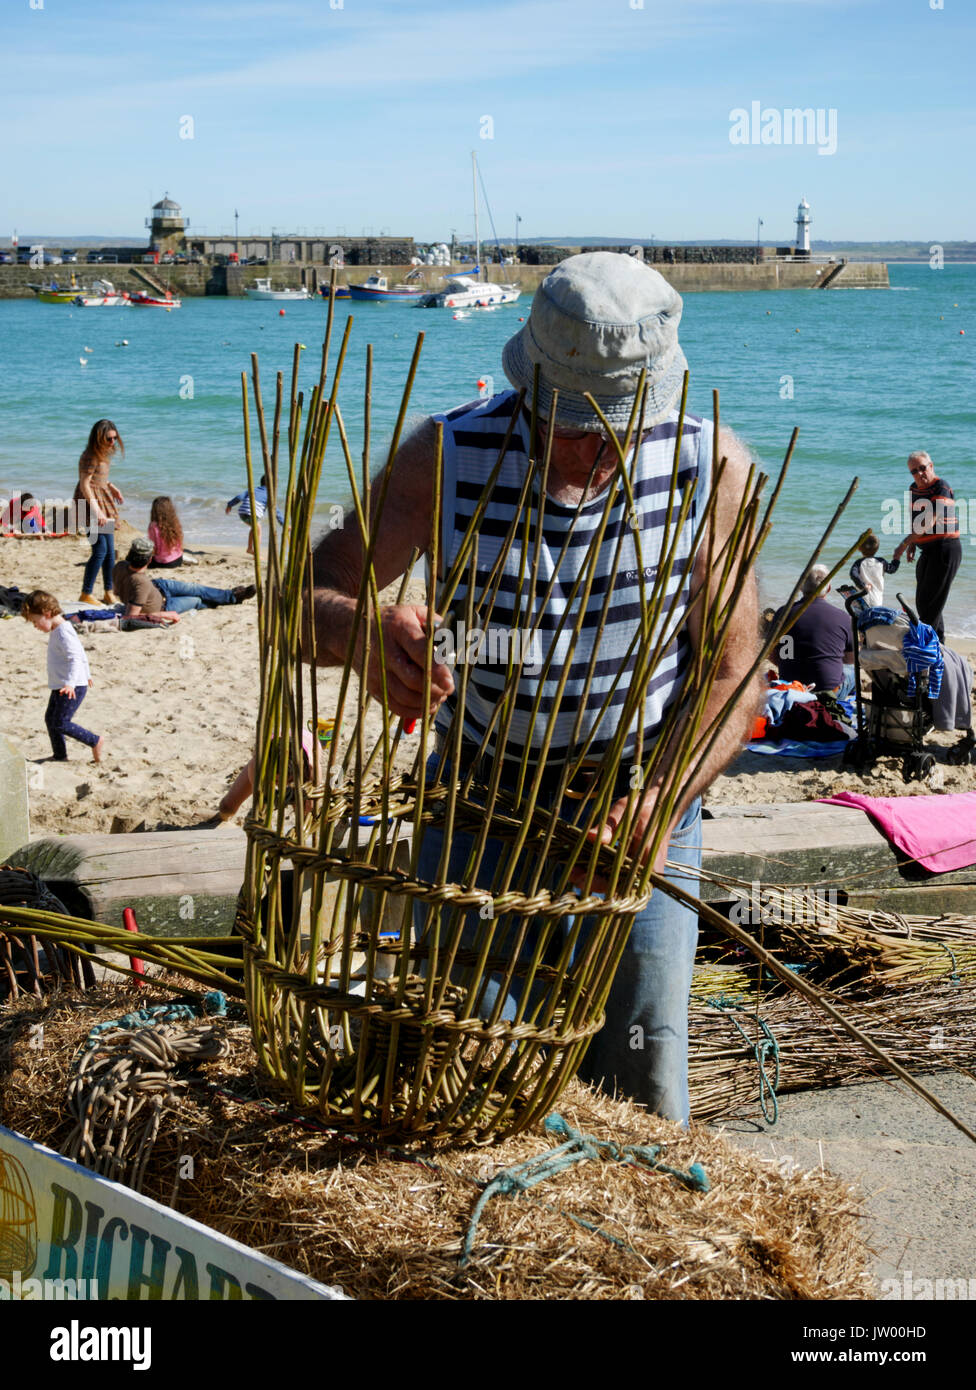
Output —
(138, 966)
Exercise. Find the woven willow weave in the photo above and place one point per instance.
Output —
(378, 998)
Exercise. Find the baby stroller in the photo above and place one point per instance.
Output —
(900, 712)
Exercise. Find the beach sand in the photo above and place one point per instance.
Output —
(178, 708)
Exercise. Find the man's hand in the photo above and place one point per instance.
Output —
(607, 833)
(404, 632)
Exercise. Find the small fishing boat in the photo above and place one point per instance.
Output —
(155, 301)
(261, 289)
(58, 294)
(378, 288)
(463, 292)
(342, 291)
(102, 295)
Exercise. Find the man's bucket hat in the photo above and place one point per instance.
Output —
(596, 321)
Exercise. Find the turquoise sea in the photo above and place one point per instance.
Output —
(867, 375)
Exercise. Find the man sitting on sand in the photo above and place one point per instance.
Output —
(817, 646)
(596, 321)
(143, 595)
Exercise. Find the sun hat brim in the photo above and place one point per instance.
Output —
(574, 410)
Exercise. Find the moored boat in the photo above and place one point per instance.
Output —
(58, 294)
(378, 289)
(261, 289)
(342, 291)
(156, 301)
(102, 295)
(464, 292)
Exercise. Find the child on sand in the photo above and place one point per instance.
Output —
(68, 675)
(243, 504)
(166, 534)
(869, 572)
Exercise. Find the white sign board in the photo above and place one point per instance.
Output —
(67, 1233)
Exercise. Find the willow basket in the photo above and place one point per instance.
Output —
(454, 993)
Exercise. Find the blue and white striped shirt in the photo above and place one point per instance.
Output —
(472, 438)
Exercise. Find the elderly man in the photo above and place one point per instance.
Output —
(596, 321)
(935, 535)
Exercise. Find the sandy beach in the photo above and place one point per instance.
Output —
(178, 707)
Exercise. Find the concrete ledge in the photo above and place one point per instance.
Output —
(14, 800)
(831, 846)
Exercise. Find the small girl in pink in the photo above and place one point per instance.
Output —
(166, 534)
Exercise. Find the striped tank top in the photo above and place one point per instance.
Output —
(473, 435)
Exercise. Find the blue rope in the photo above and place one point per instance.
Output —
(762, 1049)
(522, 1176)
(213, 1005)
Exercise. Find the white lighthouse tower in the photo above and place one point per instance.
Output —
(803, 220)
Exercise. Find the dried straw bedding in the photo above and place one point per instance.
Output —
(387, 1223)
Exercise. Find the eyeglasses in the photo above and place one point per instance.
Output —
(922, 468)
(111, 438)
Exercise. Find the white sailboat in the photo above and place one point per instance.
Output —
(470, 291)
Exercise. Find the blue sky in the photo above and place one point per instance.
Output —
(608, 117)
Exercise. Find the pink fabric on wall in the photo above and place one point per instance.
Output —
(938, 831)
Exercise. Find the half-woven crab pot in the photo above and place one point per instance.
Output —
(429, 952)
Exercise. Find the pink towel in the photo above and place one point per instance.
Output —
(938, 831)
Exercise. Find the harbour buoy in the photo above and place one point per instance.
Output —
(87, 349)
(768, 312)
(481, 383)
(281, 313)
(456, 316)
(521, 320)
(797, 330)
(962, 332)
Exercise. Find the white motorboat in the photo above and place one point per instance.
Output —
(464, 292)
(102, 295)
(470, 291)
(261, 289)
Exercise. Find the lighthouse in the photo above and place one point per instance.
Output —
(167, 226)
(803, 221)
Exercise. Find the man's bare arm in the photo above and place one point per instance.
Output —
(405, 525)
(742, 644)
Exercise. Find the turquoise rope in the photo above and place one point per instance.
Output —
(213, 1005)
(765, 1047)
(578, 1147)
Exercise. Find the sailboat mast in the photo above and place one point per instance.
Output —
(477, 234)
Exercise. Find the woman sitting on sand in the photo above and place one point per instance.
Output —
(101, 500)
(166, 534)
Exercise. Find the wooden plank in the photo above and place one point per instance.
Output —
(817, 844)
(178, 882)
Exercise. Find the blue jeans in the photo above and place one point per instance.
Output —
(181, 597)
(846, 689)
(102, 558)
(58, 718)
(643, 1045)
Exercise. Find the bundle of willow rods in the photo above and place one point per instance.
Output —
(847, 944)
(467, 1013)
(922, 1026)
